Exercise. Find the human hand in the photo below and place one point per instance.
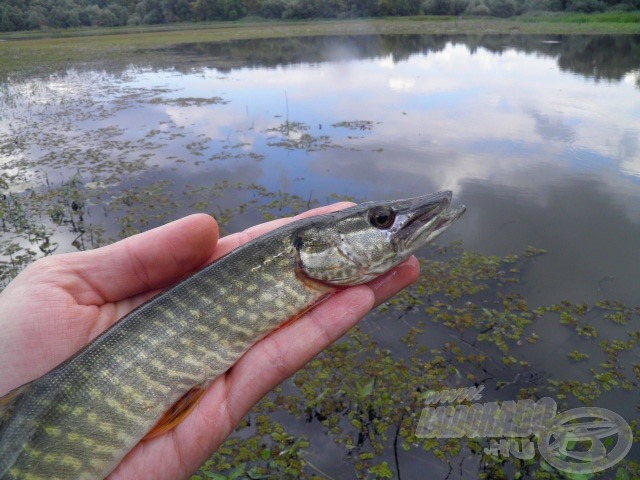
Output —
(60, 303)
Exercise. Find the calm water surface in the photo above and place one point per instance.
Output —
(539, 136)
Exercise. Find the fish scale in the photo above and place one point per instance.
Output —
(80, 419)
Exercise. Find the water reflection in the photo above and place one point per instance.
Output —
(495, 118)
(601, 57)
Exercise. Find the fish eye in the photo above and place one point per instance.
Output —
(382, 217)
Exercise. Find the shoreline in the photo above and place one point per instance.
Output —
(32, 53)
(544, 23)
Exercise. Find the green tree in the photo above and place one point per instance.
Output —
(477, 8)
(445, 7)
(303, 9)
(89, 15)
(65, 14)
(399, 7)
(252, 6)
(586, 6)
(37, 17)
(149, 11)
(502, 8)
(273, 8)
(206, 10)
(543, 5)
(176, 10)
(361, 8)
(218, 9)
(10, 18)
(36, 14)
(120, 13)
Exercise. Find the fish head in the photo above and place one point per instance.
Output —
(356, 245)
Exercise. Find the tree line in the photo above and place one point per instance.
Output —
(46, 14)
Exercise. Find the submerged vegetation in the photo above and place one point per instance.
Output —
(463, 324)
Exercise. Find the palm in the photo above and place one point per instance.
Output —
(58, 305)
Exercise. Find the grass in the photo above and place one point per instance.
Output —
(609, 18)
(27, 53)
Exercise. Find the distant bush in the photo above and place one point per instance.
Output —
(445, 7)
(502, 8)
(436, 7)
(458, 7)
(303, 9)
(37, 18)
(134, 20)
(477, 8)
(542, 5)
(273, 8)
(11, 18)
(627, 6)
(399, 7)
(586, 6)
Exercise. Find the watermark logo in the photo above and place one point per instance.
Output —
(572, 441)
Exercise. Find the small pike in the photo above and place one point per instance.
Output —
(79, 420)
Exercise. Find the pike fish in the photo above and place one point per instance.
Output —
(79, 420)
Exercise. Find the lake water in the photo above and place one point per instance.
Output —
(538, 135)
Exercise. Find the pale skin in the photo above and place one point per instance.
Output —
(58, 304)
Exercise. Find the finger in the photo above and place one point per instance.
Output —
(230, 242)
(386, 286)
(143, 262)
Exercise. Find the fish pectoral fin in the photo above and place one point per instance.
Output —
(301, 314)
(178, 411)
(8, 401)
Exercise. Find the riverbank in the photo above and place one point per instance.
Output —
(26, 53)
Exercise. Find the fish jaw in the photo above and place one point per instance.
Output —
(356, 245)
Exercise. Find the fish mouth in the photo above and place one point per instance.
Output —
(425, 218)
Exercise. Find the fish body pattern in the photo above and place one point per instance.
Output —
(80, 419)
